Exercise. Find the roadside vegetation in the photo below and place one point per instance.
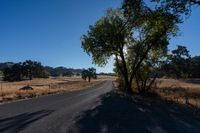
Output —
(31, 79)
(183, 91)
(25, 70)
(10, 91)
(137, 36)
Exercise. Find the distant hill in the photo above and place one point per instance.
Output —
(63, 71)
(57, 71)
(53, 71)
(5, 64)
(107, 74)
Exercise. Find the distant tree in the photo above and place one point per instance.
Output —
(180, 60)
(195, 67)
(78, 74)
(13, 73)
(84, 74)
(89, 74)
(34, 69)
(28, 69)
(178, 63)
(42, 74)
(1, 73)
(68, 73)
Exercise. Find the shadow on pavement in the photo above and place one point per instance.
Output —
(19, 122)
(125, 114)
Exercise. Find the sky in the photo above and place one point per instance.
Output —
(49, 31)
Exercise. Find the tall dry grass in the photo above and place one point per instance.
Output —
(11, 90)
(181, 91)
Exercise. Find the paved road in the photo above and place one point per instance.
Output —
(48, 114)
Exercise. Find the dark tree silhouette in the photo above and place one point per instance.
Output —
(178, 63)
(13, 73)
(28, 69)
(116, 34)
(89, 74)
(195, 67)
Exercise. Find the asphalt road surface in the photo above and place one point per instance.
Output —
(49, 114)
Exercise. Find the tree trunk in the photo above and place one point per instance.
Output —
(127, 85)
(30, 77)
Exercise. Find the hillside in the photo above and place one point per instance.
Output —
(57, 71)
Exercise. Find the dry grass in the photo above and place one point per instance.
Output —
(181, 91)
(10, 90)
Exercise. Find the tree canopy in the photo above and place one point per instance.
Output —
(137, 36)
(89, 74)
(180, 64)
(27, 69)
(130, 35)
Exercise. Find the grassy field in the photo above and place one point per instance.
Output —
(11, 90)
(181, 91)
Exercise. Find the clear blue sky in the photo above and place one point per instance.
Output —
(49, 31)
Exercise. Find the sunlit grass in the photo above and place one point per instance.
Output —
(11, 90)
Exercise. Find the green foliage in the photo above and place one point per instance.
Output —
(13, 73)
(177, 7)
(33, 69)
(89, 74)
(1, 73)
(104, 38)
(178, 63)
(130, 36)
(68, 73)
(27, 69)
(43, 74)
(147, 73)
(137, 36)
(195, 68)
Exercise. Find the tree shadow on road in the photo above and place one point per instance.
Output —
(20, 122)
(126, 114)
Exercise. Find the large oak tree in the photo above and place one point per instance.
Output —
(131, 34)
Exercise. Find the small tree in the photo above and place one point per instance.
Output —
(34, 69)
(28, 69)
(179, 63)
(195, 71)
(84, 74)
(89, 74)
(13, 73)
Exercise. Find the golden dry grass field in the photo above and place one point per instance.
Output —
(11, 90)
(181, 91)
